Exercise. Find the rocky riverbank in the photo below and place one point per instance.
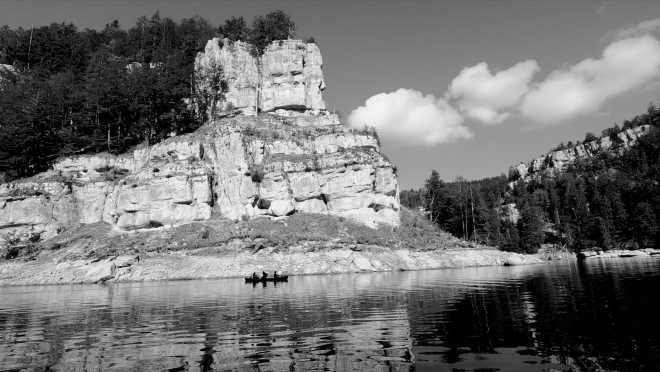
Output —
(618, 253)
(298, 245)
(295, 261)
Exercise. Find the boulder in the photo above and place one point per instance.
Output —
(312, 206)
(99, 272)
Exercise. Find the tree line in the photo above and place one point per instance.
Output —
(80, 91)
(606, 201)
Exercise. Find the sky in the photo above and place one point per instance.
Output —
(465, 87)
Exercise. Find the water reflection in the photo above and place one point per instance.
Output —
(508, 318)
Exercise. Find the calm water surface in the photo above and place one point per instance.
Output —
(533, 318)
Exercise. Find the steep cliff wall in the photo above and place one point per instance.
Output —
(288, 75)
(557, 161)
(238, 168)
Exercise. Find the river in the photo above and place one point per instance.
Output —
(520, 318)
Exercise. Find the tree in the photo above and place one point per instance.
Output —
(590, 137)
(644, 224)
(434, 196)
(235, 29)
(273, 26)
(604, 236)
(531, 228)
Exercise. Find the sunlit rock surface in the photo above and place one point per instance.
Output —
(7, 69)
(270, 149)
(288, 75)
(239, 168)
(554, 162)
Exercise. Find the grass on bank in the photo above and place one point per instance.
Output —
(218, 236)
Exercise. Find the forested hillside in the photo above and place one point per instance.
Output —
(606, 201)
(72, 91)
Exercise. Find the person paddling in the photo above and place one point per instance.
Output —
(275, 275)
(255, 276)
(264, 275)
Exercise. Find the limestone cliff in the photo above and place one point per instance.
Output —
(554, 162)
(238, 168)
(288, 75)
(296, 158)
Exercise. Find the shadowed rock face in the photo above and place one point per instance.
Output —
(238, 168)
(556, 161)
(288, 75)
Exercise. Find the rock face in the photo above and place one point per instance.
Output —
(7, 68)
(275, 152)
(288, 75)
(238, 168)
(556, 161)
(509, 213)
(4, 70)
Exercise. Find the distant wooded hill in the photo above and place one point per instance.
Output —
(608, 200)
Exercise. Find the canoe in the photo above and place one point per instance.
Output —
(283, 278)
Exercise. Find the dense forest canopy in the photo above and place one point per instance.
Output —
(607, 201)
(76, 91)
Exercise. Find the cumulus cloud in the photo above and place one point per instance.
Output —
(583, 88)
(408, 117)
(487, 97)
(639, 29)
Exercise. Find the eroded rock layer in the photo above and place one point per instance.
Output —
(554, 162)
(239, 168)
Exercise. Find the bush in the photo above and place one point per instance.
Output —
(257, 173)
(273, 26)
(235, 29)
(590, 137)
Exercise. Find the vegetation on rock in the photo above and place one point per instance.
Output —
(83, 91)
(221, 236)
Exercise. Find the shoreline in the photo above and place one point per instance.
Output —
(295, 261)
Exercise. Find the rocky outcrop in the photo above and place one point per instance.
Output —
(297, 260)
(554, 162)
(509, 213)
(7, 68)
(4, 70)
(288, 75)
(239, 168)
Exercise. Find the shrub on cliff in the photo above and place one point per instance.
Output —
(235, 29)
(273, 26)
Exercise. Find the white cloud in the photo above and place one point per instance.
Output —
(487, 97)
(642, 28)
(582, 89)
(408, 117)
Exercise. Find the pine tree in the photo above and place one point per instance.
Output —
(531, 228)
(644, 224)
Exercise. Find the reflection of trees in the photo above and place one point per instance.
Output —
(170, 326)
(574, 311)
